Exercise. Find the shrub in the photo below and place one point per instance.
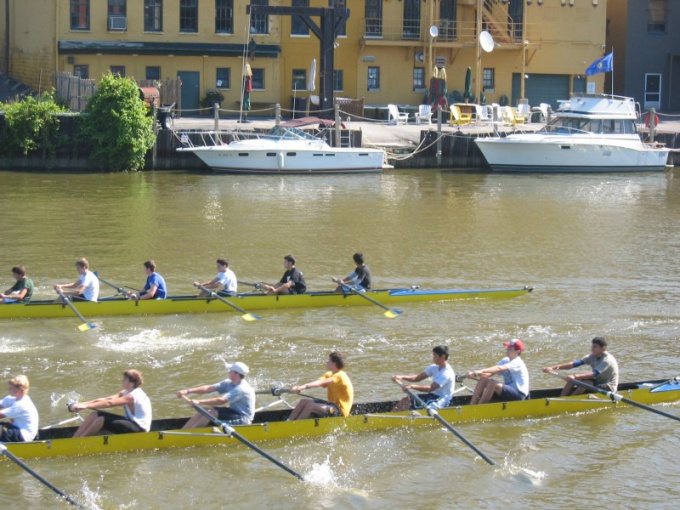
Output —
(116, 125)
(212, 96)
(31, 124)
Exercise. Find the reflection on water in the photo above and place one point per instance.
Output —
(600, 250)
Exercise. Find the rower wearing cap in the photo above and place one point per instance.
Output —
(235, 392)
(515, 385)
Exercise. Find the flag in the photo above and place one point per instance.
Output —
(601, 65)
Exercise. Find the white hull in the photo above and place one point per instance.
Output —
(572, 153)
(283, 161)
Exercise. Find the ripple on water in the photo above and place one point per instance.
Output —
(151, 340)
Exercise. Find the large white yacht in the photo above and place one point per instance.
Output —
(588, 133)
(286, 150)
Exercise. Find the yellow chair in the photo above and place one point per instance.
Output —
(511, 117)
(457, 118)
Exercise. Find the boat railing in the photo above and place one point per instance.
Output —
(564, 130)
(198, 138)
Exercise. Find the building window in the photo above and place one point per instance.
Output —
(489, 78)
(81, 71)
(299, 79)
(153, 73)
(80, 14)
(224, 16)
(118, 71)
(188, 16)
(297, 26)
(116, 7)
(153, 15)
(418, 78)
(258, 79)
(338, 80)
(259, 22)
(341, 4)
(373, 79)
(656, 16)
(223, 80)
(447, 17)
(373, 15)
(411, 25)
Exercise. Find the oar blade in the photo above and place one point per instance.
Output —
(250, 317)
(86, 326)
(392, 313)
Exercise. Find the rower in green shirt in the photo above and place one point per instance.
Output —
(21, 291)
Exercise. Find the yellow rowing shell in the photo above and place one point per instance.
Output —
(366, 417)
(192, 304)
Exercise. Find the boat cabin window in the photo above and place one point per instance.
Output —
(582, 125)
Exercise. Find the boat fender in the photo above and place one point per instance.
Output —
(651, 120)
(281, 159)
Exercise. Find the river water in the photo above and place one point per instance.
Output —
(600, 250)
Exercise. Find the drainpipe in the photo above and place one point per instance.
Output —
(7, 38)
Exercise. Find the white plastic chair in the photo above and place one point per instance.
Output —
(424, 113)
(482, 112)
(395, 117)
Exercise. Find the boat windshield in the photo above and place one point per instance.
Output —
(573, 125)
(286, 133)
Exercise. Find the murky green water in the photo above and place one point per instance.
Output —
(600, 250)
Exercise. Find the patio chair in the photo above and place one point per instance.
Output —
(457, 118)
(511, 117)
(424, 113)
(395, 117)
(482, 112)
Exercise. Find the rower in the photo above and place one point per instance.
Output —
(439, 393)
(340, 392)
(155, 287)
(515, 385)
(18, 407)
(359, 279)
(292, 281)
(604, 374)
(21, 291)
(234, 391)
(131, 397)
(225, 278)
(85, 288)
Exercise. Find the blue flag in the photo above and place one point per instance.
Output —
(601, 65)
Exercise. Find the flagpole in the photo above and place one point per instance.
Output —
(612, 70)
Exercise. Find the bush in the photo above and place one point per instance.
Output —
(116, 125)
(212, 96)
(31, 124)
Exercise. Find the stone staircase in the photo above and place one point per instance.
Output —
(9, 89)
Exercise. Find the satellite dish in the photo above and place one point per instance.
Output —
(486, 41)
(434, 31)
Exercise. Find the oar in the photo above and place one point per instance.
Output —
(614, 396)
(247, 316)
(435, 415)
(120, 290)
(257, 286)
(85, 326)
(226, 429)
(391, 312)
(63, 422)
(22, 465)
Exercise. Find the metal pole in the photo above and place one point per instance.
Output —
(336, 107)
(478, 73)
(439, 137)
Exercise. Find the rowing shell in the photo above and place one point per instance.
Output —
(192, 304)
(376, 416)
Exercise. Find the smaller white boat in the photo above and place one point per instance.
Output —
(286, 150)
(588, 133)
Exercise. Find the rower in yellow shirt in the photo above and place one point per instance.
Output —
(339, 387)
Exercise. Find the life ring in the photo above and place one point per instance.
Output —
(651, 119)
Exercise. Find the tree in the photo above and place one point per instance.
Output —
(117, 126)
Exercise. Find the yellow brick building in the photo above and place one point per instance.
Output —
(385, 53)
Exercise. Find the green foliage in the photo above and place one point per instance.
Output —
(31, 124)
(116, 125)
(212, 96)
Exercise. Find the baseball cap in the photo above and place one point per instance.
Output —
(239, 368)
(516, 343)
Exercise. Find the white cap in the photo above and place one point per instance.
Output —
(239, 368)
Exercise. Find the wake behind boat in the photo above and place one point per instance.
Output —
(589, 133)
(365, 417)
(285, 150)
(193, 304)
